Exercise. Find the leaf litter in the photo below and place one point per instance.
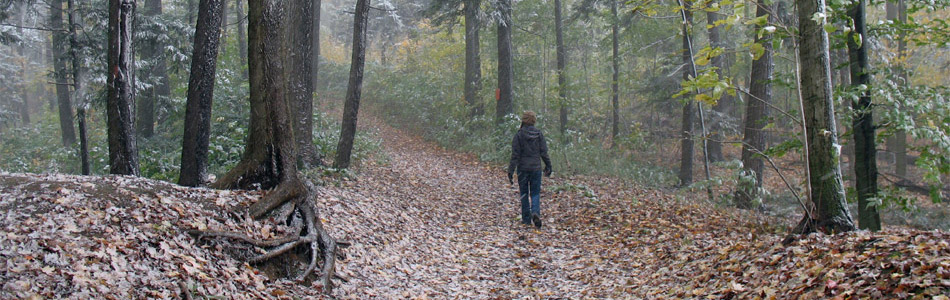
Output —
(434, 224)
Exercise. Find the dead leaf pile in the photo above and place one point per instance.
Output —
(433, 223)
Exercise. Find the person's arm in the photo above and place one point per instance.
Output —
(544, 156)
(515, 154)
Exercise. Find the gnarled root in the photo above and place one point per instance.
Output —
(311, 233)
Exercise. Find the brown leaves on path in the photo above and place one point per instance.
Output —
(433, 223)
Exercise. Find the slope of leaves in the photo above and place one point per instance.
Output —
(433, 223)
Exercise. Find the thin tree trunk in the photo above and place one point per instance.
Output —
(123, 154)
(299, 76)
(60, 72)
(195, 140)
(614, 82)
(505, 71)
(315, 57)
(865, 148)
(152, 96)
(24, 104)
(686, 144)
(897, 11)
(757, 112)
(473, 65)
(78, 77)
(723, 107)
(827, 190)
(354, 87)
(242, 37)
(561, 65)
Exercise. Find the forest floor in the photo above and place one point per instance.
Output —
(426, 222)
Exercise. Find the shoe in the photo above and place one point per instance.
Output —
(536, 219)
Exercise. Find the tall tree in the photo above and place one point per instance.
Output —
(204, 58)
(60, 73)
(897, 12)
(152, 95)
(269, 159)
(473, 64)
(686, 143)
(315, 56)
(242, 37)
(123, 154)
(724, 105)
(757, 110)
(865, 148)
(24, 104)
(299, 74)
(561, 65)
(824, 173)
(78, 85)
(615, 80)
(505, 71)
(354, 87)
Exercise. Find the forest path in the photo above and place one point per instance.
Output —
(436, 223)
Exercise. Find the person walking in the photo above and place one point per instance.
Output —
(528, 151)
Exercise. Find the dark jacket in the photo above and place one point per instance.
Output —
(528, 150)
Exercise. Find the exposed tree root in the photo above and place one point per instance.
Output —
(300, 195)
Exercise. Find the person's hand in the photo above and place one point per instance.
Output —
(510, 180)
(547, 172)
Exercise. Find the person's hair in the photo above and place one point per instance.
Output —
(528, 118)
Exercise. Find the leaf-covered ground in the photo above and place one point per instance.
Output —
(431, 223)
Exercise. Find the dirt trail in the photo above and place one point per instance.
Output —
(438, 223)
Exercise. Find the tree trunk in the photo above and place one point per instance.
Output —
(299, 74)
(686, 144)
(123, 154)
(60, 72)
(195, 140)
(78, 85)
(270, 154)
(614, 82)
(897, 12)
(473, 65)
(354, 87)
(561, 65)
(827, 190)
(242, 37)
(757, 112)
(723, 107)
(865, 148)
(505, 71)
(315, 56)
(24, 104)
(152, 51)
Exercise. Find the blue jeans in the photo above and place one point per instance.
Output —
(529, 183)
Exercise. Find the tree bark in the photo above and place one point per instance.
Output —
(897, 11)
(78, 85)
(123, 154)
(354, 87)
(60, 72)
(152, 51)
(614, 82)
(315, 56)
(473, 65)
(821, 136)
(195, 140)
(299, 74)
(505, 71)
(757, 112)
(865, 148)
(561, 65)
(24, 104)
(724, 105)
(686, 144)
(242, 37)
